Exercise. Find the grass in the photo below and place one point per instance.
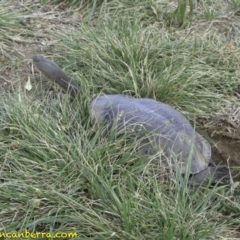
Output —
(14, 27)
(148, 62)
(59, 173)
(89, 8)
(9, 24)
(61, 177)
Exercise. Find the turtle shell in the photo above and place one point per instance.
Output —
(160, 128)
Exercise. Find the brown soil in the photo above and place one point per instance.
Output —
(224, 129)
(35, 35)
(226, 151)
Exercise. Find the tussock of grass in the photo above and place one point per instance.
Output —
(125, 57)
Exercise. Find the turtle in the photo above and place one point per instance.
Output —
(161, 129)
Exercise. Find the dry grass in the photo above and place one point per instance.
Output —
(57, 172)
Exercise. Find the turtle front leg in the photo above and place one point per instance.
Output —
(213, 173)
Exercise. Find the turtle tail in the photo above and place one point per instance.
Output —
(214, 173)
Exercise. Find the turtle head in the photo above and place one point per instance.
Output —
(47, 67)
(52, 71)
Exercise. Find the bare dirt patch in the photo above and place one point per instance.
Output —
(226, 150)
(224, 130)
(35, 35)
